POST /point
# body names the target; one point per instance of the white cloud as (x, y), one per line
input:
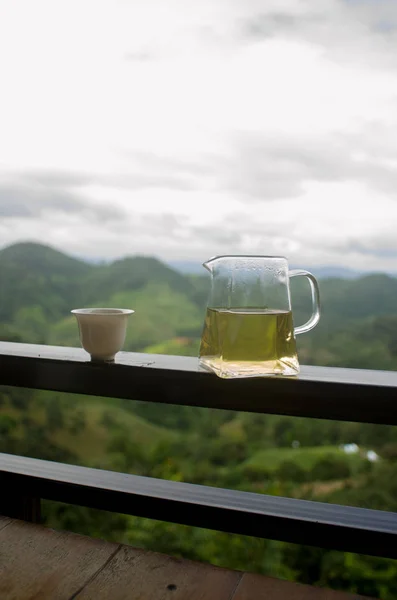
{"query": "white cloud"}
(206, 127)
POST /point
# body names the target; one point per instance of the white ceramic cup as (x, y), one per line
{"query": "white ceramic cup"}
(102, 331)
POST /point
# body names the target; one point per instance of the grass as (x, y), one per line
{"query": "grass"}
(271, 459)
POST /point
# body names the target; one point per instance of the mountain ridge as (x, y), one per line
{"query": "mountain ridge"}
(37, 275)
(184, 267)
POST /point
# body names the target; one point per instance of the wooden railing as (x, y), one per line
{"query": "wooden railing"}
(328, 393)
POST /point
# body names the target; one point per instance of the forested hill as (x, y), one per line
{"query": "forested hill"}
(33, 273)
(40, 285)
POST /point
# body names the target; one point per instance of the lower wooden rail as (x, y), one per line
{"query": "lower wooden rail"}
(343, 528)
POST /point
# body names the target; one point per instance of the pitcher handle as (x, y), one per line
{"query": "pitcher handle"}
(314, 319)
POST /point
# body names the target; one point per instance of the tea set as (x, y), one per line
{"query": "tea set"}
(248, 327)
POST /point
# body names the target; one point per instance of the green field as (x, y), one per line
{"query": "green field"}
(271, 459)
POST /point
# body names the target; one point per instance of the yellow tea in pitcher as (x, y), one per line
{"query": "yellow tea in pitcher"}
(248, 342)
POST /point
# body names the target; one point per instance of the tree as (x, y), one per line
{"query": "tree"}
(330, 467)
(290, 471)
(54, 416)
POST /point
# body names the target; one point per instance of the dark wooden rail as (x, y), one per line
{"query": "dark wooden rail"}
(287, 519)
(321, 392)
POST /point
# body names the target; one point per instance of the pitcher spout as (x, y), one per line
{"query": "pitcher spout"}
(209, 264)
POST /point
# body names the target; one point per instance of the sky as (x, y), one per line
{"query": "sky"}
(190, 128)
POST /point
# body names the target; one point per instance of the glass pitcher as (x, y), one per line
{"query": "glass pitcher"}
(248, 328)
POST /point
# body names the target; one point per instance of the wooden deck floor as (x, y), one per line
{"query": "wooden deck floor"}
(38, 563)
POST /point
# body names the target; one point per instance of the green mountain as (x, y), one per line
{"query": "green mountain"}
(36, 275)
(40, 285)
(41, 260)
(132, 273)
(357, 328)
